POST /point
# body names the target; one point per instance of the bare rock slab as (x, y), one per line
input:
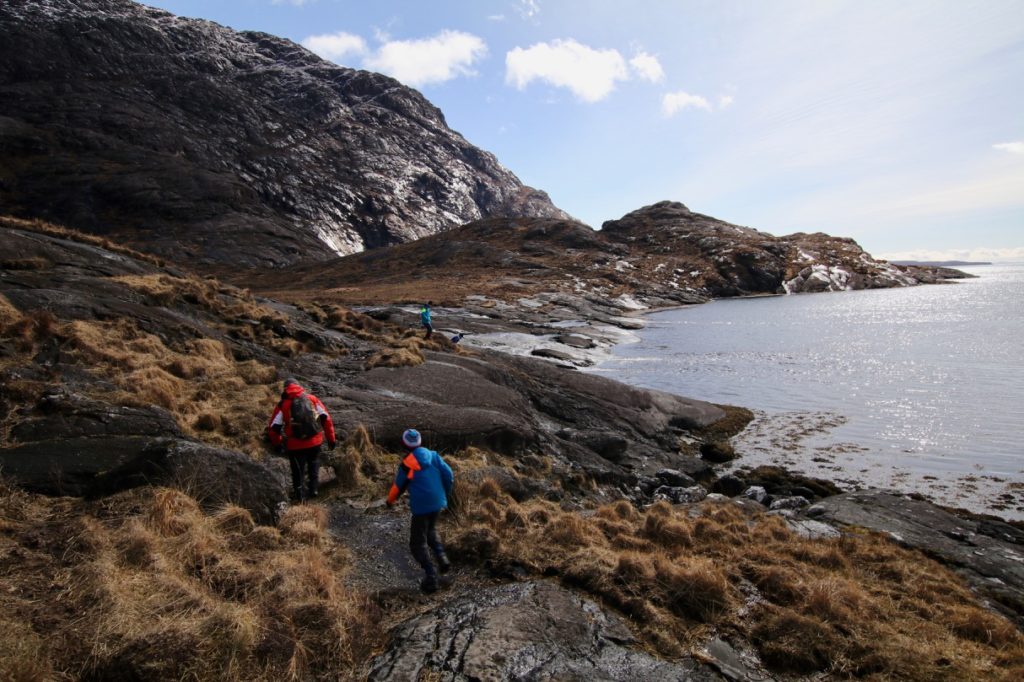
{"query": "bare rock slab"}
(524, 631)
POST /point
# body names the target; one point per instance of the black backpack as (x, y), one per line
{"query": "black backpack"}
(304, 419)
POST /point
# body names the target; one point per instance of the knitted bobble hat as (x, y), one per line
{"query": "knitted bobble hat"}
(411, 438)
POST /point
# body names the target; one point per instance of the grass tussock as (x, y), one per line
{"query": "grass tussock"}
(49, 229)
(237, 312)
(146, 586)
(396, 357)
(857, 606)
(211, 395)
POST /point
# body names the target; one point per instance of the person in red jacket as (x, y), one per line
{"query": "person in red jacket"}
(297, 428)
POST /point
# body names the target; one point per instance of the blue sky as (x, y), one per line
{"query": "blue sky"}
(900, 124)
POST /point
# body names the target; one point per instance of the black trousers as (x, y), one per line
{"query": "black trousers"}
(422, 533)
(429, 328)
(305, 461)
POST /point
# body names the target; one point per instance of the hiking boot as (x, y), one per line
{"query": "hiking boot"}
(443, 565)
(429, 585)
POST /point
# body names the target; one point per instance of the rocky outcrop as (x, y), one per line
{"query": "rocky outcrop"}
(74, 445)
(524, 631)
(203, 144)
(721, 259)
(516, 405)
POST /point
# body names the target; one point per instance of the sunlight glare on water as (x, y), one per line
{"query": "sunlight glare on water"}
(926, 382)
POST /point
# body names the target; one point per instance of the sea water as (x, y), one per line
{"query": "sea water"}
(918, 389)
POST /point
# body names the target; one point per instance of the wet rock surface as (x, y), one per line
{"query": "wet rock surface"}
(196, 141)
(989, 554)
(524, 631)
(514, 405)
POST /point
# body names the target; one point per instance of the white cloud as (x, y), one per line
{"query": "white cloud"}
(529, 8)
(674, 102)
(590, 74)
(1012, 147)
(431, 60)
(496, 17)
(335, 46)
(298, 3)
(725, 101)
(647, 67)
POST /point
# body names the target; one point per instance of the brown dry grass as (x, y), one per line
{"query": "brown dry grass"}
(43, 227)
(211, 395)
(234, 310)
(858, 606)
(145, 585)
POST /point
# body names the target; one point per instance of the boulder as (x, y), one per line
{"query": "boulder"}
(756, 493)
(576, 341)
(680, 495)
(729, 485)
(795, 502)
(524, 631)
(673, 477)
(98, 466)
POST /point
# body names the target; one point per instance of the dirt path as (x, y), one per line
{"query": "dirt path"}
(378, 538)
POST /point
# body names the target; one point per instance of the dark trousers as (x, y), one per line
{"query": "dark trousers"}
(422, 533)
(305, 461)
(429, 328)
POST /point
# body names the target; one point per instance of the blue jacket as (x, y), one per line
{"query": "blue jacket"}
(428, 479)
(425, 315)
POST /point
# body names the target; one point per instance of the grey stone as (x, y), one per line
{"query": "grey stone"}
(795, 502)
(680, 495)
(756, 493)
(814, 530)
(524, 631)
(673, 477)
(94, 467)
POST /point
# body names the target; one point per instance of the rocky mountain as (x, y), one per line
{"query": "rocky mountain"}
(200, 143)
(658, 255)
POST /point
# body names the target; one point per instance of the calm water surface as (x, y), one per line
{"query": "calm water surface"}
(917, 389)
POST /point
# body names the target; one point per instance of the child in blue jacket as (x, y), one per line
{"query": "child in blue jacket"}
(425, 319)
(428, 478)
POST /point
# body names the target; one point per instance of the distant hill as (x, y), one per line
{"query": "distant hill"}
(940, 263)
(659, 255)
(199, 143)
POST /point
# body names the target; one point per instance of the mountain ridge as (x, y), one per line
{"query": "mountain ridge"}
(194, 141)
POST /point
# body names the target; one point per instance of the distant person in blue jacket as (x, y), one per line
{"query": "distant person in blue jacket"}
(425, 319)
(428, 478)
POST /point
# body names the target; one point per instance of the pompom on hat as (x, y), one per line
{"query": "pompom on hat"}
(411, 438)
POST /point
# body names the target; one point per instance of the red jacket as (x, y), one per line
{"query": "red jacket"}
(280, 426)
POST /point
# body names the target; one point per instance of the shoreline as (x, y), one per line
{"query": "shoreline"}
(519, 332)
